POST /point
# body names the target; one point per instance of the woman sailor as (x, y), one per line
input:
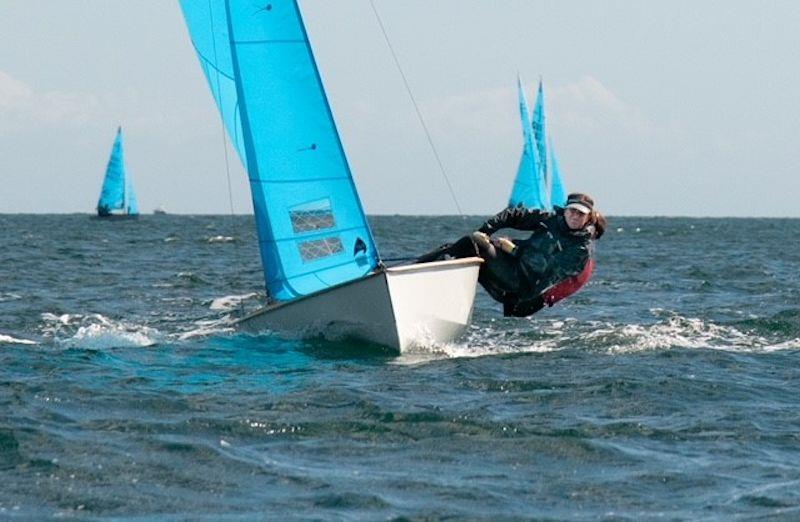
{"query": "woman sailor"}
(527, 274)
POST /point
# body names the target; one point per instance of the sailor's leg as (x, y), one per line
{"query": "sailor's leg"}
(523, 308)
(501, 271)
(437, 254)
(464, 247)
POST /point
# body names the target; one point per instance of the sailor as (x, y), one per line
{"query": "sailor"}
(528, 274)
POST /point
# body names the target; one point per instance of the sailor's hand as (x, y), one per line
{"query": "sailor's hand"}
(504, 244)
(481, 239)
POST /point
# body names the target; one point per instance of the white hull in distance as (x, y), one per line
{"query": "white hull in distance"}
(399, 307)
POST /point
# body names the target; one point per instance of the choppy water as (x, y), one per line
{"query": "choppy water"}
(668, 388)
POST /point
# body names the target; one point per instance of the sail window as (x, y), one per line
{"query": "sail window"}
(319, 248)
(312, 216)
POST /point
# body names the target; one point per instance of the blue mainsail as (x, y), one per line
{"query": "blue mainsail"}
(117, 193)
(539, 134)
(529, 190)
(256, 56)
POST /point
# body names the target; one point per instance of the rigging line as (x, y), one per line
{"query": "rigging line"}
(416, 108)
(222, 119)
(236, 247)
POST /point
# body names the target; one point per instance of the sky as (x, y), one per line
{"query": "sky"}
(683, 108)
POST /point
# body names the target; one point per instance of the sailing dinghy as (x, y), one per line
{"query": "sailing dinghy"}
(322, 270)
(117, 197)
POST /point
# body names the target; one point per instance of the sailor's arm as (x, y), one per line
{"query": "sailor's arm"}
(514, 217)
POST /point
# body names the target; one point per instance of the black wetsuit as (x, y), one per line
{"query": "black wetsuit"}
(552, 253)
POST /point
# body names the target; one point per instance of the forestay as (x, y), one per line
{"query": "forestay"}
(261, 70)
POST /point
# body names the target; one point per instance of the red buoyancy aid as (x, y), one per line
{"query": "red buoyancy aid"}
(568, 286)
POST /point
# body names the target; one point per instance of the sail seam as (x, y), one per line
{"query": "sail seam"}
(257, 42)
(314, 180)
(209, 62)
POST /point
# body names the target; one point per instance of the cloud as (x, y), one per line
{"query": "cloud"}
(583, 106)
(20, 103)
(13, 93)
(580, 108)
(587, 105)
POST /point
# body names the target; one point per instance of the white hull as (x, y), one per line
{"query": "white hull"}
(400, 307)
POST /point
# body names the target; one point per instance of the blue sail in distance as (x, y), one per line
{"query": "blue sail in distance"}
(529, 189)
(256, 56)
(544, 188)
(132, 204)
(558, 195)
(117, 195)
(539, 135)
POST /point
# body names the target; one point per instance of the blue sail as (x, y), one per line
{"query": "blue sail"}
(256, 56)
(208, 28)
(529, 188)
(540, 137)
(558, 195)
(132, 204)
(113, 192)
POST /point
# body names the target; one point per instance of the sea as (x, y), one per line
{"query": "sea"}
(668, 388)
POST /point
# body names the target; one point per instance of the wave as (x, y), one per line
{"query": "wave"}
(220, 239)
(231, 302)
(494, 339)
(207, 328)
(677, 331)
(7, 339)
(96, 332)
(670, 331)
(8, 296)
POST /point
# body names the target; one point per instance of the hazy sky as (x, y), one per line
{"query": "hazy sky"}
(656, 108)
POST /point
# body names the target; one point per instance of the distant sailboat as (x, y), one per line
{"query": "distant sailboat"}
(321, 267)
(117, 197)
(538, 183)
(529, 188)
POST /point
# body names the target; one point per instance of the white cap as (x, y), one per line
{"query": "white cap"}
(580, 207)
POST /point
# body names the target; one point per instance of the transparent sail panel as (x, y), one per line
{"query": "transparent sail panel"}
(256, 56)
